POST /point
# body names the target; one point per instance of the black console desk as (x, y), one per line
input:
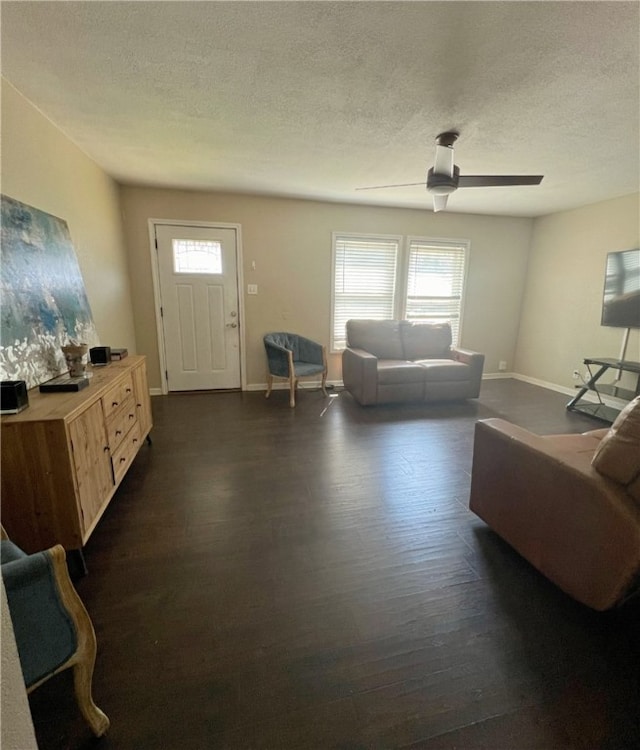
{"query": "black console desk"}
(600, 410)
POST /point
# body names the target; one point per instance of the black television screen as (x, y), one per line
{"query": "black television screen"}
(621, 299)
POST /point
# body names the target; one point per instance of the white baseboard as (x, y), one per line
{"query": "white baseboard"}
(545, 384)
(588, 396)
(314, 385)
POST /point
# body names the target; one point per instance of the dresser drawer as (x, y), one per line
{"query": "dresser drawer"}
(122, 457)
(120, 422)
(115, 397)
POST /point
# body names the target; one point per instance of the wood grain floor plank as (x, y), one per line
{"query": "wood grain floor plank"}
(312, 578)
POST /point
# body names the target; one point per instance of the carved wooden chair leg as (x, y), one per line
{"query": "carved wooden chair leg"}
(292, 380)
(82, 676)
(292, 390)
(324, 383)
(85, 656)
(324, 372)
(269, 386)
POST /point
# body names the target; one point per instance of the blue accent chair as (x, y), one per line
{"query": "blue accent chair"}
(52, 628)
(293, 357)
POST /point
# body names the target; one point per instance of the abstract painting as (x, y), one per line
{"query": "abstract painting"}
(44, 304)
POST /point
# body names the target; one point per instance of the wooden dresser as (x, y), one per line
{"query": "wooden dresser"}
(64, 457)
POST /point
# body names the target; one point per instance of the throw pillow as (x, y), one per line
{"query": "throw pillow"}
(618, 455)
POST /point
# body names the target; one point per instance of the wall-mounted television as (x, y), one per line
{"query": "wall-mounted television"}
(621, 298)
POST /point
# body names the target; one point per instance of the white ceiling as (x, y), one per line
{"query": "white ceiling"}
(313, 99)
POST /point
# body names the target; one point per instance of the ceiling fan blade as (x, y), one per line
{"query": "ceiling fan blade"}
(439, 202)
(495, 180)
(444, 161)
(380, 187)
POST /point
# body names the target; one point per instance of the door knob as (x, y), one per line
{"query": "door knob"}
(233, 313)
(232, 325)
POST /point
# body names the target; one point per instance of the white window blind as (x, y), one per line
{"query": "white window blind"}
(364, 281)
(435, 281)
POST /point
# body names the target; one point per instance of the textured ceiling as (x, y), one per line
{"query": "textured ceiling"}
(313, 99)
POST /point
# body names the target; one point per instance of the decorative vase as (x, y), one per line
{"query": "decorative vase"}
(74, 355)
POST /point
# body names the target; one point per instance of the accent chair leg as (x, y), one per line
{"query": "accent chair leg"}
(82, 676)
(85, 656)
(292, 390)
(269, 386)
(324, 383)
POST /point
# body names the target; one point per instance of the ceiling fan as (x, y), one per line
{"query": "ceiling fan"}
(444, 177)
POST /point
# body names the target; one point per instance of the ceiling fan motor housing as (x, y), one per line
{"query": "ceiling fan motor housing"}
(442, 184)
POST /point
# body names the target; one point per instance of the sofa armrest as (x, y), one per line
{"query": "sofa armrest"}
(474, 360)
(578, 528)
(360, 375)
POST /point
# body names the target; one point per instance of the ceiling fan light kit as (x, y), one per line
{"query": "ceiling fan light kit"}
(442, 184)
(444, 177)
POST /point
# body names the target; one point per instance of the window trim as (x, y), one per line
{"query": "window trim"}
(442, 241)
(402, 272)
(366, 237)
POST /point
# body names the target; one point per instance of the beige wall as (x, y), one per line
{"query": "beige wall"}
(290, 242)
(43, 168)
(563, 296)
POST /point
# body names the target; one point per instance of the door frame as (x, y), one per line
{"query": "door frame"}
(155, 274)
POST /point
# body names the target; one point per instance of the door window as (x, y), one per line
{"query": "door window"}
(197, 256)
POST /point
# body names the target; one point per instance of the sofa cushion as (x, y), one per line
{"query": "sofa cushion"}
(379, 337)
(444, 370)
(425, 340)
(618, 455)
(393, 371)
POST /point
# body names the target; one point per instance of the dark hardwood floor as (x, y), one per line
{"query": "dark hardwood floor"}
(312, 578)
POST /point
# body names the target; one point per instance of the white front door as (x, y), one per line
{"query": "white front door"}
(198, 273)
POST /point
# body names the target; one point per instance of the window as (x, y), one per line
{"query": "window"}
(375, 277)
(364, 282)
(434, 283)
(197, 256)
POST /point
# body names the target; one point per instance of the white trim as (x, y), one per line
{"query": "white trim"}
(545, 384)
(155, 392)
(402, 272)
(443, 241)
(588, 396)
(497, 375)
(367, 236)
(155, 275)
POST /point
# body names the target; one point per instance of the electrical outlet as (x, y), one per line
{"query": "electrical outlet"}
(252, 288)
(502, 365)
(576, 375)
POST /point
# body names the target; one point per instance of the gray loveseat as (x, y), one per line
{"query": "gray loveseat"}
(390, 361)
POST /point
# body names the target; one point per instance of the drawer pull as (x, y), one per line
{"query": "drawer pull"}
(114, 403)
(135, 440)
(118, 432)
(132, 416)
(122, 460)
(128, 390)
(106, 448)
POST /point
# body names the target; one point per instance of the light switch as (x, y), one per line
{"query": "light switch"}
(252, 288)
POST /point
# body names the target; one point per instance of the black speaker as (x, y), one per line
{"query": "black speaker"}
(100, 355)
(13, 396)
